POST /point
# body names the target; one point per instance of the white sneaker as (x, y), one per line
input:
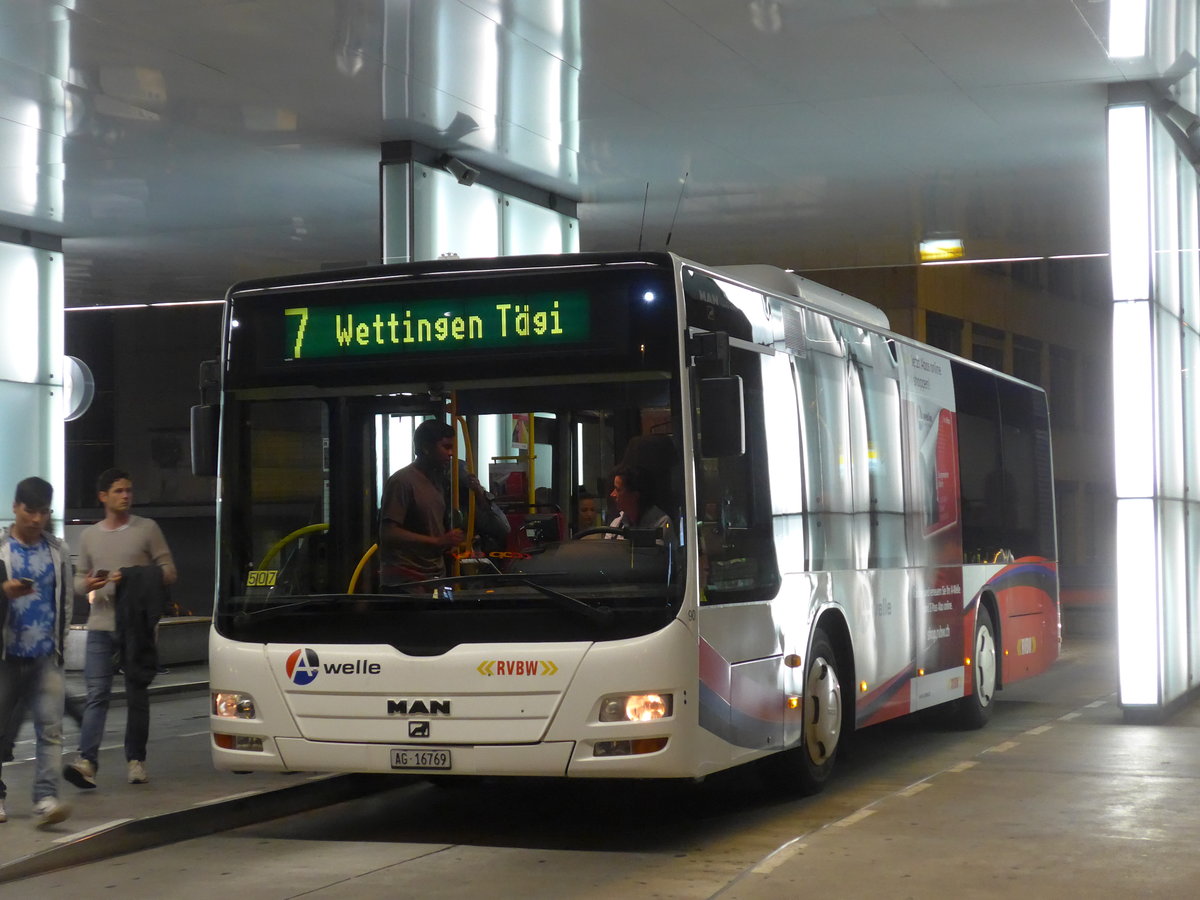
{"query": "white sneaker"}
(50, 811)
(137, 772)
(3, 814)
(80, 773)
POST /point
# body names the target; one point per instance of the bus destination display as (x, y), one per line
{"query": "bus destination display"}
(519, 321)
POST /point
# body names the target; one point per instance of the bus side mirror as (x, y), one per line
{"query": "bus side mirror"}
(205, 419)
(722, 417)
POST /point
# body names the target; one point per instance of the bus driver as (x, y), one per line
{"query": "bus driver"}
(634, 495)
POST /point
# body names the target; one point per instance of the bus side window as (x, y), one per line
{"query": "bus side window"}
(877, 451)
(825, 414)
(1004, 452)
(740, 561)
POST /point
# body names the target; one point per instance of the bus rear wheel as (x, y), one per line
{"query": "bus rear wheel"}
(809, 766)
(975, 710)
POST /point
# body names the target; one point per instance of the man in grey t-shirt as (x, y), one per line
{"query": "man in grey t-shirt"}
(415, 531)
(416, 528)
(118, 541)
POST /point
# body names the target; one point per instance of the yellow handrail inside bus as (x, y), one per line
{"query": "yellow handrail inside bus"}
(530, 490)
(469, 535)
(283, 542)
(362, 563)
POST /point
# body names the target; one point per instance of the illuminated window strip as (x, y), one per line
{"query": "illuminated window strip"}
(1129, 201)
(1139, 653)
(1133, 405)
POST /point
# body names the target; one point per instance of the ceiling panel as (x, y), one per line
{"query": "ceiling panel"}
(177, 147)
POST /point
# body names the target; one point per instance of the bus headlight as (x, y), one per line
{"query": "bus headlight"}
(232, 705)
(635, 707)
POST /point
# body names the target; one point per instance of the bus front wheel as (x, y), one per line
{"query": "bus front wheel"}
(975, 710)
(809, 765)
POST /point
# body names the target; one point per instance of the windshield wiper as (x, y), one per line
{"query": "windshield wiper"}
(243, 614)
(600, 614)
(432, 589)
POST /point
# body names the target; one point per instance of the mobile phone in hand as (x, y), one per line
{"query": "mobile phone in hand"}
(26, 582)
(101, 573)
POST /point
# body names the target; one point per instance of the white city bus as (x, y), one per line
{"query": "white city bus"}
(861, 527)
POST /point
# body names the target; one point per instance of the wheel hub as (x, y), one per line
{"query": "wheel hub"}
(823, 716)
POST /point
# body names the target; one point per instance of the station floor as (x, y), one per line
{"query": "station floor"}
(1069, 796)
(185, 798)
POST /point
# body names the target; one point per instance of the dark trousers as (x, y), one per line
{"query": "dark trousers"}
(98, 670)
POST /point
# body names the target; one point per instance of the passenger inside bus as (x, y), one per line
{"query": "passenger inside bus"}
(417, 528)
(587, 512)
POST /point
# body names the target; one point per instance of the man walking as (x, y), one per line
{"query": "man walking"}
(121, 558)
(37, 592)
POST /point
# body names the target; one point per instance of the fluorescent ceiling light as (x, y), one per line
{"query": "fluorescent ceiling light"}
(940, 249)
(982, 262)
(165, 303)
(1127, 20)
(72, 309)
(188, 303)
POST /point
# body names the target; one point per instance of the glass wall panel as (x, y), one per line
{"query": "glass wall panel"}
(453, 219)
(397, 203)
(24, 454)
(31, 370)
(1165, 258)
(1189, 245)
(1191, 410)
(20, 314)
(1158, 541)
(1193, 586)
(1170, 405)
(1173, 564)
(529, 228)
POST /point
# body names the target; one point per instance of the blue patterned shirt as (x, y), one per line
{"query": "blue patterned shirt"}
(31, 617)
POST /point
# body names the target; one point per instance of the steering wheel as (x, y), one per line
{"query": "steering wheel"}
(602, 529)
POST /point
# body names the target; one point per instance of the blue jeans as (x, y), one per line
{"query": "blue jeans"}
(38, 682)
(98, 669)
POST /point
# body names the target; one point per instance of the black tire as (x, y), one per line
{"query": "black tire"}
(807, 768)
(975, 709)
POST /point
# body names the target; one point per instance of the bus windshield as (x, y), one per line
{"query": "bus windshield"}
(538, 566)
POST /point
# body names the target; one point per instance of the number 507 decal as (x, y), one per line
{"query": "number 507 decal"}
(261, 578)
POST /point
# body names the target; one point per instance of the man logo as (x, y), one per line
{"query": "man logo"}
(418, 729)
(302, 666)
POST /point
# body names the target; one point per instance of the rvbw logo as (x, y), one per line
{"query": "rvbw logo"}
(303, 666)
